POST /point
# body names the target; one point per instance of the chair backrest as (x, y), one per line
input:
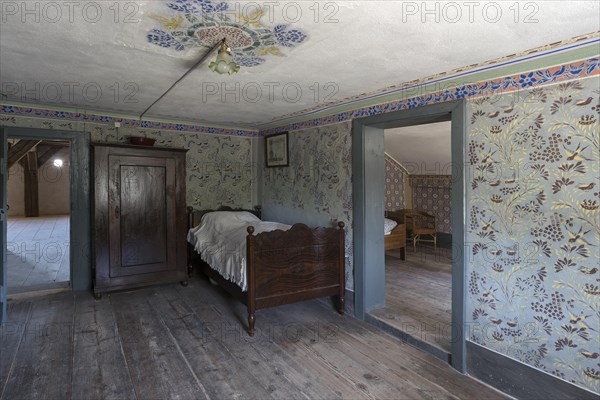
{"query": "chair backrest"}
(412, 217)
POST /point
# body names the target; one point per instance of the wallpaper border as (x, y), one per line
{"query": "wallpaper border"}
(512, 83)
(17, 109)
(534, 77)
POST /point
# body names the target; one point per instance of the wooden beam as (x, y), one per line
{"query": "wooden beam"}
(19, 150)
(30, 164)
(46, 153)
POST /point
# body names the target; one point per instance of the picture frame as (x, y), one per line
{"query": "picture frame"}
(277, 150)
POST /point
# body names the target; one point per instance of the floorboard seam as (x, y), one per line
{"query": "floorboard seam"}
(12, 364)
(187, 363)
(118, 335)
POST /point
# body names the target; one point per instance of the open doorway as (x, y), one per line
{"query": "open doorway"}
(368, 166)
(418, 241)
(38, 202)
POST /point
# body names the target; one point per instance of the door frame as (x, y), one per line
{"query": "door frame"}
(3, 223)
(368, 210)
(80, 207)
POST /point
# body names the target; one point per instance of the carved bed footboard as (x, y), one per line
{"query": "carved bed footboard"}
(284, 267)
(298, 264)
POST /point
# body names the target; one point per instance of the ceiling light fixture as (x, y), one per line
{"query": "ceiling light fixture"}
(223, 64)
(58, 163)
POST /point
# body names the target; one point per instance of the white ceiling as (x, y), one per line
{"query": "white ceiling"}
(365, 45)
(421, 149)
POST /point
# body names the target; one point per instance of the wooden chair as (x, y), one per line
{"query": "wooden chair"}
(419, 224)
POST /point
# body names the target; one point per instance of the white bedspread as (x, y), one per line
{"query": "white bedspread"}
(221, 240)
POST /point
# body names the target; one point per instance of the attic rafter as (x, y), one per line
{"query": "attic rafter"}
(19, 150)
(31, 194)
(45, 153)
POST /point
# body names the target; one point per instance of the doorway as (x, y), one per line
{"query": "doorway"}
(38, 209)
(368, 188)
(77, 225)
(417, 208)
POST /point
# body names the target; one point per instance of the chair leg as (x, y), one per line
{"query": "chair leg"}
(415, 238)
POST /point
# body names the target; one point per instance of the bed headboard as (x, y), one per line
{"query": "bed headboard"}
(195, 216)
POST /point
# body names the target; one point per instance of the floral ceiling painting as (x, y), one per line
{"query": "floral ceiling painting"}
(533, 231)
(201, 24)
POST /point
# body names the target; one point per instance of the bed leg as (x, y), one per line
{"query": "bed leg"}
(251, 321)
(341, 304)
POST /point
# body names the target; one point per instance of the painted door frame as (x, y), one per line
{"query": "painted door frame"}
(80, 209)
(368, 210)
(3, 223)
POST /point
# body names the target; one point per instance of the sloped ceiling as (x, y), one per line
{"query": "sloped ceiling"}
(421, 149)
(121, 56)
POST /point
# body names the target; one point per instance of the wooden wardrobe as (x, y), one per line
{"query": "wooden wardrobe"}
(139, 230)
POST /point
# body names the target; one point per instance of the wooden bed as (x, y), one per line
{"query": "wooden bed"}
(283, 267)
(397, 238)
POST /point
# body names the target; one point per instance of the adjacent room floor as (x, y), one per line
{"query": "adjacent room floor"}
(190, 342)
(37, 252)
(418, 295)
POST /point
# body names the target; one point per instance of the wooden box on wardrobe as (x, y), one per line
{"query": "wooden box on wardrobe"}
(139, 218)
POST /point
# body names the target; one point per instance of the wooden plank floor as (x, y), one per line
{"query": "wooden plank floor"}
(38, 251)
(189, 343)
(418, 295)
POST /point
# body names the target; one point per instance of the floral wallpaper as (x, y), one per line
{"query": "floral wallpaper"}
(433, 194)
(318, 180)
(395, 177)
(533, 228)
(219, 168)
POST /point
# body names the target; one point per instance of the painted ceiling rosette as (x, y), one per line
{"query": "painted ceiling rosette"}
(203, 23)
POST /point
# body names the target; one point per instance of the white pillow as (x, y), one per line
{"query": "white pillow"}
(388, 225)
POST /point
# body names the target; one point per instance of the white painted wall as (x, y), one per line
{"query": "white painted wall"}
(53, 186)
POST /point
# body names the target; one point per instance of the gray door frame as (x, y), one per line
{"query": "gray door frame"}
(368, 211)
(80, 237)
(3, 223)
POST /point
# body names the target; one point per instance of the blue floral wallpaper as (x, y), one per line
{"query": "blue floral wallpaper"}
(433, 194)
(219, 168)
(394, 186)
(318, 180)
(533, 228)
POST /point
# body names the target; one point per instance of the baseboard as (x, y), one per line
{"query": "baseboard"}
(517, 379)
(410, 339)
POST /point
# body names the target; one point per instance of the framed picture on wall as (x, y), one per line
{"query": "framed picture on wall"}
(276, 150)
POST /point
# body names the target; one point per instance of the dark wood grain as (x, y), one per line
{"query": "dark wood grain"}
(284, 267)
(140, 218)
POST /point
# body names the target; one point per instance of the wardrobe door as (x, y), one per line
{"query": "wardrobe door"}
(141, 220)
